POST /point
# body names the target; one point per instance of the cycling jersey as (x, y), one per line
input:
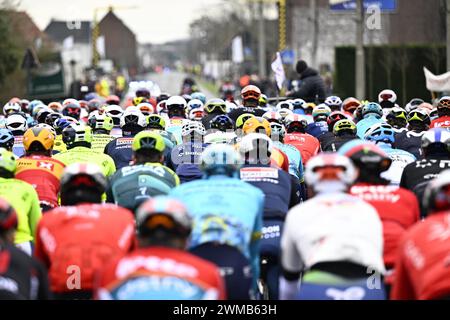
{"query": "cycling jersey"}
(422, 270)
(332, 227)
(99, 142)
(442, 122)
(398, 210)
(18, 148)
(59, 145)
(86, 155)
(400, 159)
(132, 185)
(43, 173)
(316, 129)
(24, 199)
(221, 137)
(409, 141)
(120, 151)
(21, 277)
(295, 159)
(364, 125)
(308, 145)
(225, 210)
(158, 273)
(279, 159)
(236, 113)
(333, 145)
(186, 160)
(174, 126)
(116, 132)
(97, 235)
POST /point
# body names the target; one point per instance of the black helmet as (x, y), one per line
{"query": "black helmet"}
(222, 122)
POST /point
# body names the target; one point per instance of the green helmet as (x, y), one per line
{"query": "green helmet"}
(7, 160)
(77, 133)
(148, 140)
(242, 118)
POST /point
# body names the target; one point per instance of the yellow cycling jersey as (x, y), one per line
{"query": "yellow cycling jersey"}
(59, 145)
(99, 142)
(24, 199)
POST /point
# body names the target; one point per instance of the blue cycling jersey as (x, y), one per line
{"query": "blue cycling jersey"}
(295, 159)
(225, 210)
(364, 125)
(186, 160)
(316, 129)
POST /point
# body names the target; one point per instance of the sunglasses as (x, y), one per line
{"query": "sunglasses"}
(212, 108)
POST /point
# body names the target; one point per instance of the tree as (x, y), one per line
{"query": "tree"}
(9, 52)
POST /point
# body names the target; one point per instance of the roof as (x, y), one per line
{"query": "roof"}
(59, 30)
(112, 17)
(22, 24)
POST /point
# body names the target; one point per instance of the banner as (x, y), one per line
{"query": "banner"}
(278, 69)
(436, 83)
(344, 5)
(237, 50)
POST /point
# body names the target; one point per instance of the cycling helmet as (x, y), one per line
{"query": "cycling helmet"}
(278, 130)
(115, 112)
(397, 113)
(263, 101)
(24, 104)
(196, 114)
(251, 92)
(93, 105)
(194, 104)
(38, 139)
(437, 193)
(222, 122)
(257, 125)
(366, 156)
(33, 104)
(345, 125)
(309, 107)
(42, 114)
(333, 118)
(334, 103)
(199, 96)
(436, 140)
(143, 92)
(296, 123)
(443, 107)
(16, 123)
(372, 109)
(146, 108)
(8, 217)
(55, 106)
(413, 104)
(285, 113)
(76, 134)
(176, 105)
(100, 122)
(7, 161)
(155, 121)
(72, 110)
(192, 128)
(70, 101)
(162, 97)
(285, 105)
(46, 126)
(242, 118)
(380, 132)
(298, 104)
(64, 122)
(133, 116)
(6, 139)
(113, 99)
(330, 172)
(387, 95)
(273, 116)
(434, 114)
(321, 113)
(138, 100)
(165, 213)
(350, 105)
(82, 177)
(187, 97)
(51, 119)
(148, 140)
(219, 159)
(419, 115)
(216, 106)
(11, 107)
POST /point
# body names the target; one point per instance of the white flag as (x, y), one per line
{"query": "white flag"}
(436, 83)
(101, 46)
(237, 50)
(68, 43)
(277, 67)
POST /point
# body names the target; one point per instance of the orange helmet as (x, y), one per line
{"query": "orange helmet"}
(256, 125)
(55, 106)
(38, 136)
(251, 92)
(350, 104)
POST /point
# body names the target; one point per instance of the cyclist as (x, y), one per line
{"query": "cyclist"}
(319, 126)
(436, 155)
(38, 168)
(344, 131)
(176, 111)
(83, 233)
(17, 124)
(26, 277)
(227, 214)
(281, 192)
(371, 114)
(384, 136)
(398, 208)
(387, 99)
(72, 109)
(199, 96)
(397, 118)
(213, 108)
(443, 111)
(132, 122)
(221, 130)
(422, 263)
(296, 136)
(333, 238)
(101, 126)
(163, 227)
(250, 99)
(410, 140)
(350, 105)
(115, 112)
(186, 156)
(78, 139)
(23, 198)
(146, 178)
(6, 139)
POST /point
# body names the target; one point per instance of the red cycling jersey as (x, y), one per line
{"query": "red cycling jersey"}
(398, 210)
(306, 144)
(423, 261)
(160, 273)
(442, 122)
(43, 173)
(279, 160)
(81, 239)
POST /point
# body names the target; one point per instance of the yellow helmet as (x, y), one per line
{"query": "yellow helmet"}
(257, 125)
(38, 135)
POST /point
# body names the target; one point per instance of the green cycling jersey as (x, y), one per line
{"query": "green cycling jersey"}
(99, 141)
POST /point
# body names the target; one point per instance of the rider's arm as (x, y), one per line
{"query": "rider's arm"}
(256, 241)
(295, 194)
(35, 214)
(111, 167)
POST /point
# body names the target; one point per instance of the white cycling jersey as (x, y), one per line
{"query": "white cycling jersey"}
(220, 137)
(332, 227)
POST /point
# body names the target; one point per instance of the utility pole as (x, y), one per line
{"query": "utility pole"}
(261, 41)
(360, 59)
(448, 35)
(315, 31)
(282, 25)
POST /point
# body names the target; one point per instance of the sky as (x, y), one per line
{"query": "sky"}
(153, 21)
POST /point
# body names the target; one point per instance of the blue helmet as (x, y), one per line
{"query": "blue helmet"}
(380, 132)
(372, 108)
(222, 122)
(6, 139)
(200, 96)
(219, 159)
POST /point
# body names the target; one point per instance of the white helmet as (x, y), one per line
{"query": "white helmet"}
(194, 104)
(16, 122)
(196, 114)
(133, 116)
(285, 105)
(70, 101)
(273, 116)
(11, 107)
(190, 127)
(115, 112)
(330, 172)
(387, 95)
(285, 113)
(176, 101)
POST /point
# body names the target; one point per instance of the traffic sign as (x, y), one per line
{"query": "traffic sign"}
(288, 56)
(344, 5)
